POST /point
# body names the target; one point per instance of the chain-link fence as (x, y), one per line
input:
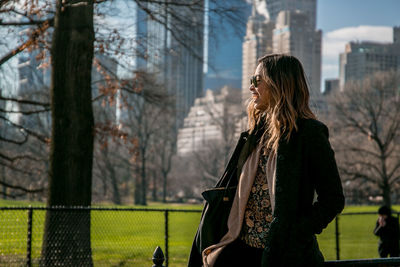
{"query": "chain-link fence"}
(117, 237)
(128, 237)
(350, 236)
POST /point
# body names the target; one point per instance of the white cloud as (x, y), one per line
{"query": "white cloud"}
(261, 7)
(223, 74)
(334, 43)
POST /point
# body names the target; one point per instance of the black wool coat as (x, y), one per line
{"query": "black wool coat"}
(389, 234)
(305, 165)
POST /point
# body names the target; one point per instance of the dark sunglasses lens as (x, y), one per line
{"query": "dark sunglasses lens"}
(253, 81)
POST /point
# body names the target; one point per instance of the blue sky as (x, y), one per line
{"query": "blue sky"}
(334, 14)
(340, 20)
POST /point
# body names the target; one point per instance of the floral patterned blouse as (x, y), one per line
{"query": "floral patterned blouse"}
(258, 213)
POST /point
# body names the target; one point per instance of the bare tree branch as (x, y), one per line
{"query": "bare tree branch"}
(352, 176)
(25, 23)
(25, 112)
(38, 136)
(12, 159)
(367, 114)
(358, 150)
(365, 164)
(17, 187)
(36, 33)
(25, 101)
(15, 141)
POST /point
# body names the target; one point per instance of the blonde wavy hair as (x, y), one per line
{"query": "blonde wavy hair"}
(288, 99)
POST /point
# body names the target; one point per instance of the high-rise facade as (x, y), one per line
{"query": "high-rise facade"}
(308, 7)
(177, 60)
(257, 42)
(362, 59)
(208, 117)
(331, 86)
(294, 35)
(396, 35)
(290, 29)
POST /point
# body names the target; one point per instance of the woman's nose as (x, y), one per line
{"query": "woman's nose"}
(252, 88)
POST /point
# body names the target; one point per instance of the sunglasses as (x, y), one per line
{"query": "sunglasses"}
(253, 80)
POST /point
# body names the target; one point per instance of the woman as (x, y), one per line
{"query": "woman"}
(289, 187)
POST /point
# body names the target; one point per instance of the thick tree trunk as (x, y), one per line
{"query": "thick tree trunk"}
(386, 195)
(66, 240)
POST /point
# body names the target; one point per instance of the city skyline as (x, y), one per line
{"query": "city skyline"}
(283, 26)
(374, 22)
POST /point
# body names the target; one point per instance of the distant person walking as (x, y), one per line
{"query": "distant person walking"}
(387, 228)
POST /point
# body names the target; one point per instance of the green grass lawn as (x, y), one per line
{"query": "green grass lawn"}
(126, 238)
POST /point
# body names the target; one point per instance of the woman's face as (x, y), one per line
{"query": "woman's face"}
(260, 93)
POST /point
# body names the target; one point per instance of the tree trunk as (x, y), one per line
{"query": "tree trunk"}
(137, 190)
(66, 240)
(3, 178)
(116, 198)
(386, 195)
(154, 191)
(3, 172)
(114, 183)
(165, 175)
(143, 182)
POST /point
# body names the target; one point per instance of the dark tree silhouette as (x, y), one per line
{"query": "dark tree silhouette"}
(67, 235)
(367, 125)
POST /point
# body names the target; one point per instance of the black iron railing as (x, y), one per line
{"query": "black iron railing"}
(158, 260)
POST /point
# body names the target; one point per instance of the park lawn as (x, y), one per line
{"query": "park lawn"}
(125, 238)
(357, 240)
(119, 238)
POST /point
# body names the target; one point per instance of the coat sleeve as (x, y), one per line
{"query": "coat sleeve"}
(195, 256)
(389, 231)
(378, 229)
(325, 175)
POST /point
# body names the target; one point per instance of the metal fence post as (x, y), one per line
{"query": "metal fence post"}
(337, 238)
(29, 239)
(158, 257)
(166, 237)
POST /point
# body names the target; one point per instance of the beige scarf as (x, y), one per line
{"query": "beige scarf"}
(239, 204)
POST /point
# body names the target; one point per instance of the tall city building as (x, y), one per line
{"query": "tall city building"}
(362, 59)
(291, 29)
(309, 7)
(177, 60)
(207, 121)
(257, 42)
(331, 86)
(294, 35)
(396, 35)
(342, 74)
